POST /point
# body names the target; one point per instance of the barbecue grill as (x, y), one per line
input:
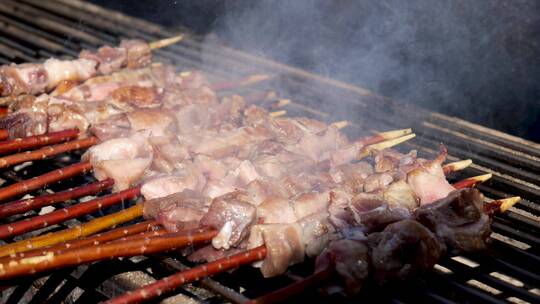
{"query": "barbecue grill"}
(33, 30)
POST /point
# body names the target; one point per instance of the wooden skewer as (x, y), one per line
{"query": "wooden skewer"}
(93, 240)
(456, 166)
(368, 150)
(165, 42)
(25, 143)
(472, 181)
(37, 182)
(87, 254)
(3, 134)
(384, 136)
(247, 81)
(277, 113)
(73, 233)
(196, 273)
(295, 288)
(283, 102)
(62, 215)
(45, 152)
(340, 124)
(501, 206)
(24, 205)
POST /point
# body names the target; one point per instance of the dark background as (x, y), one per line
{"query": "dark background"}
(475, 59)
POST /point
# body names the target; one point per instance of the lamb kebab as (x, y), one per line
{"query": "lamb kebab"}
(36, 78)
(148, 247)
(264, 150)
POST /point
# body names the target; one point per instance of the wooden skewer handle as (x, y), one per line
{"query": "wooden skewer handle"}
(42, 153)
(61, 215)
(19, 144)
(43, 180)
(24, 205)
(176, 280)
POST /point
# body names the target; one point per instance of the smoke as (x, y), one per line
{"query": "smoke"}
(474, 59)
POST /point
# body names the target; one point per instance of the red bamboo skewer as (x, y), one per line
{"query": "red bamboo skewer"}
(3, 134)
(472, 181)
(37, 182)
(295, 288)
(196, 273)
(24, 143)
(79, 231)
(21, 206)
(42, 153)
(77, 256)
(94, 240)
(61, 215)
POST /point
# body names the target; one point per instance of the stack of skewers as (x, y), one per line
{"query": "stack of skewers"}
(235, 183)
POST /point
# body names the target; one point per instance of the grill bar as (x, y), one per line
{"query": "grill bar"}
(63, 28)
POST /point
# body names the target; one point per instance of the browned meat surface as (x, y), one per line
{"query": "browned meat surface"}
(458, 219)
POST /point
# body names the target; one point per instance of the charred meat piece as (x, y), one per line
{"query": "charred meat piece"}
(403, 249)
(458, 220)
(350, 259)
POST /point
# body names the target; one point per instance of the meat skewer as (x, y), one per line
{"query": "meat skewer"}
(25, 143)
(167, 284)
(37, 182)
(3, 134)
(137, 246)
(472, 181)
(45, 152)
(196, 273)
(24, 205)
(456, 166)
(61, 215)
(35, 78)
(97, 255)
(75, 232)
(93, 240)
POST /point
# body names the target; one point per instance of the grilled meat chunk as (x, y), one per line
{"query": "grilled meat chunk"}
(181, 210)
(284, 245)
(458, 220)
(233, 216)
(351, 261)
(402, 249)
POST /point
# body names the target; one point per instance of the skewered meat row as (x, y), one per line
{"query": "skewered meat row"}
(101, 100)
(36, 78)
(339, 206)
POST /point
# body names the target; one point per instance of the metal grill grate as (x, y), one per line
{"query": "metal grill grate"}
(32, 30)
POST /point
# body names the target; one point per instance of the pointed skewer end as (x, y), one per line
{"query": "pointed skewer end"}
(457, 166)
(165, 42)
